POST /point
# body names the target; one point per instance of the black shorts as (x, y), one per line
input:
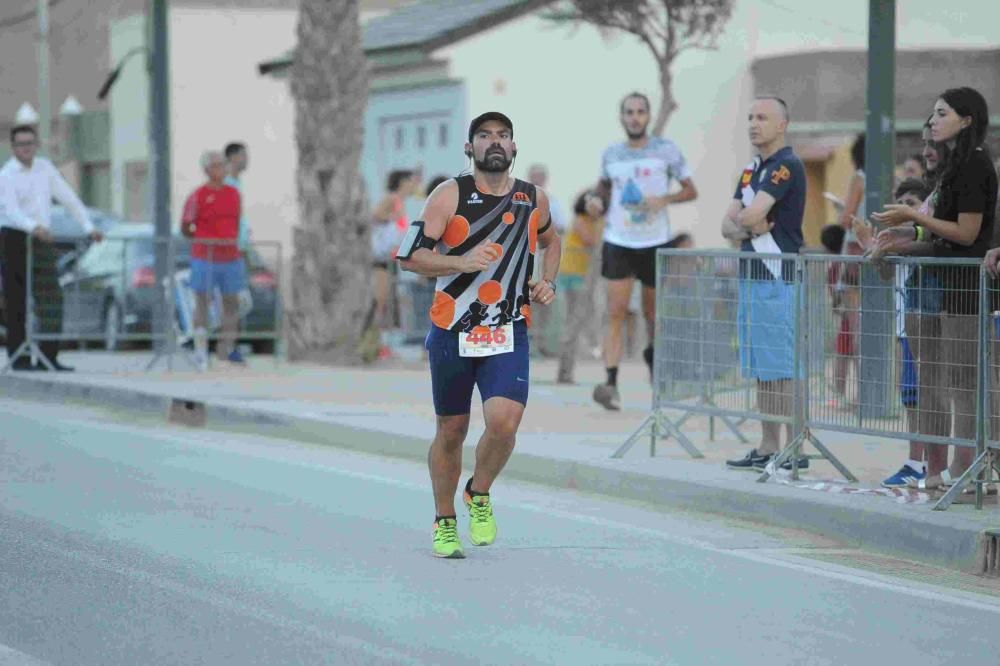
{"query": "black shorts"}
(620, 263)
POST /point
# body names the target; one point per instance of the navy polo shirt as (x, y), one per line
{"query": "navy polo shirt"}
(783, 177)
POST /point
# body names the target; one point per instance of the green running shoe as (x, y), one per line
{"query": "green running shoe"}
(446, 541)
(482, 524)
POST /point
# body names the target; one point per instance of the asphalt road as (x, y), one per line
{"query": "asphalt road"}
(129, 542)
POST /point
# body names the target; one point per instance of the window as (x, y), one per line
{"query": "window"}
(400, 137)
(443, 135)
(421, 137)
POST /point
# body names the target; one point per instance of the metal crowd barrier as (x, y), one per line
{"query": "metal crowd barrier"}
(105, 294)
(841, 344)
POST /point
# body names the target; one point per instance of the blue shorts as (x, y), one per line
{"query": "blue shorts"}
(228, 277)
(453, 376)
(766, 321)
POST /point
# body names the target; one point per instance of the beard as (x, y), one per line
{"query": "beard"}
(635, 135)
(494, 162)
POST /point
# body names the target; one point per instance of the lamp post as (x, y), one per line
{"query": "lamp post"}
(159, 147)
(44, 112)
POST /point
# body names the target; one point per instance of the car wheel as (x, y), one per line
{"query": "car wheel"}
(112, 326)
(262, 346)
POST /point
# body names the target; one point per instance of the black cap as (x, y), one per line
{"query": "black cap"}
(489, 115)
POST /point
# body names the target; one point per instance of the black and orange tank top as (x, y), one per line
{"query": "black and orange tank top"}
(498, 295)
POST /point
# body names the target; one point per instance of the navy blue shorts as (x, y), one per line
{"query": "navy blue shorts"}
(454, 376)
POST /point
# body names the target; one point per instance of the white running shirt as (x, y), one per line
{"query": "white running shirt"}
(637, 173)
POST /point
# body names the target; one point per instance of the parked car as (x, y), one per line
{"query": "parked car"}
(64, 226)
(110, 289)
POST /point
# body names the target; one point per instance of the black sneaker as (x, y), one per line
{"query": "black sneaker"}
(787, 465)
(752, 462)
(803, 464)
(23, 365)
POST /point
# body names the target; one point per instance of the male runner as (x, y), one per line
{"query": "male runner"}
(478, 235)
(637, 174)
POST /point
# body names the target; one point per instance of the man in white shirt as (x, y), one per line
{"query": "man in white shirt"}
(28, 184)
(636, 178)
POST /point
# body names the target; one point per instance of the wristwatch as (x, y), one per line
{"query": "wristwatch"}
(552, 285)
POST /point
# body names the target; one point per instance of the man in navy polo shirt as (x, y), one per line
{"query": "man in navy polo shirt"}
(765, 215)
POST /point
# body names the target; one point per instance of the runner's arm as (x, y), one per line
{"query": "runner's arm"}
(439, 208)
(549, 240)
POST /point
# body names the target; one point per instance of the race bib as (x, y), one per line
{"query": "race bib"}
(485, 341)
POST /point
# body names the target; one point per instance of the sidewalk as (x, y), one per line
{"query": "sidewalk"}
(565, 440)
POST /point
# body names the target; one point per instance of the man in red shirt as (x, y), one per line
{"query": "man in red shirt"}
(212, 216)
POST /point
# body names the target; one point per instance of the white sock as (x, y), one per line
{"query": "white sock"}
(917, 465)
(201, 341)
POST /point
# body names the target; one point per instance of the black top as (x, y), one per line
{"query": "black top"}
(973, 190)
(500, 294)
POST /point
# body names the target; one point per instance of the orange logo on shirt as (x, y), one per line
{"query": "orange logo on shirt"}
(781, 174)
(745, 180)
(521, 198)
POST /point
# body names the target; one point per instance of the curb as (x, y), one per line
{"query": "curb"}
(952, 540)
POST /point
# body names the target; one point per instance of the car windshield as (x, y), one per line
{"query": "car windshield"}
(141, 250)
(65, 225)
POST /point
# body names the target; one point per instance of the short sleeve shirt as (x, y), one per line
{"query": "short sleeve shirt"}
(635, 174)
(215, 212)
(783, 176)
(973, 190)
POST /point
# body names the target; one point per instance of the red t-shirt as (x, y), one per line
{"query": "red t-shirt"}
(215, 212)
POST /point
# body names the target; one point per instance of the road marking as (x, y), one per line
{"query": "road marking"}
(772, 558)
(829, 570)
(11, 657)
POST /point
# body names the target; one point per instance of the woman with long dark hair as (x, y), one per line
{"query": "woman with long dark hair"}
(961, 224)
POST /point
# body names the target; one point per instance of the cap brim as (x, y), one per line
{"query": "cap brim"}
(478, 121)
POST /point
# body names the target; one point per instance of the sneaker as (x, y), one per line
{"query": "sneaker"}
(906, 476)
(446, 541)
(751, 462)
(607, 396)
(236, 357)
(803, 464)
(482, 524)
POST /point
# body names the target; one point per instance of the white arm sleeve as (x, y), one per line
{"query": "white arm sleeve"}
(64, 194)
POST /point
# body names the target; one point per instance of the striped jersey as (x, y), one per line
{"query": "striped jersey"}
(498, 295)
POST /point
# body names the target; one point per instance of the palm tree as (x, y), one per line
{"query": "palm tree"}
(330, 292)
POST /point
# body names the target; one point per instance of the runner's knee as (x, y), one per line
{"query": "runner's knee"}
(503, 427)
(452, 430)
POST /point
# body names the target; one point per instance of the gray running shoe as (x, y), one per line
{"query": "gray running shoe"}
(607, 396)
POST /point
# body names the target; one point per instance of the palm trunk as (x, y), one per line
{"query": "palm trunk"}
(330, 291)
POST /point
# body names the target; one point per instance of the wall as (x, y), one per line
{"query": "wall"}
(414, 113)
(825, 86)
(129, 112)
(217, 97)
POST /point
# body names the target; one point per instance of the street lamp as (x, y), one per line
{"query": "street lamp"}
(159, 149)
(116, 72)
